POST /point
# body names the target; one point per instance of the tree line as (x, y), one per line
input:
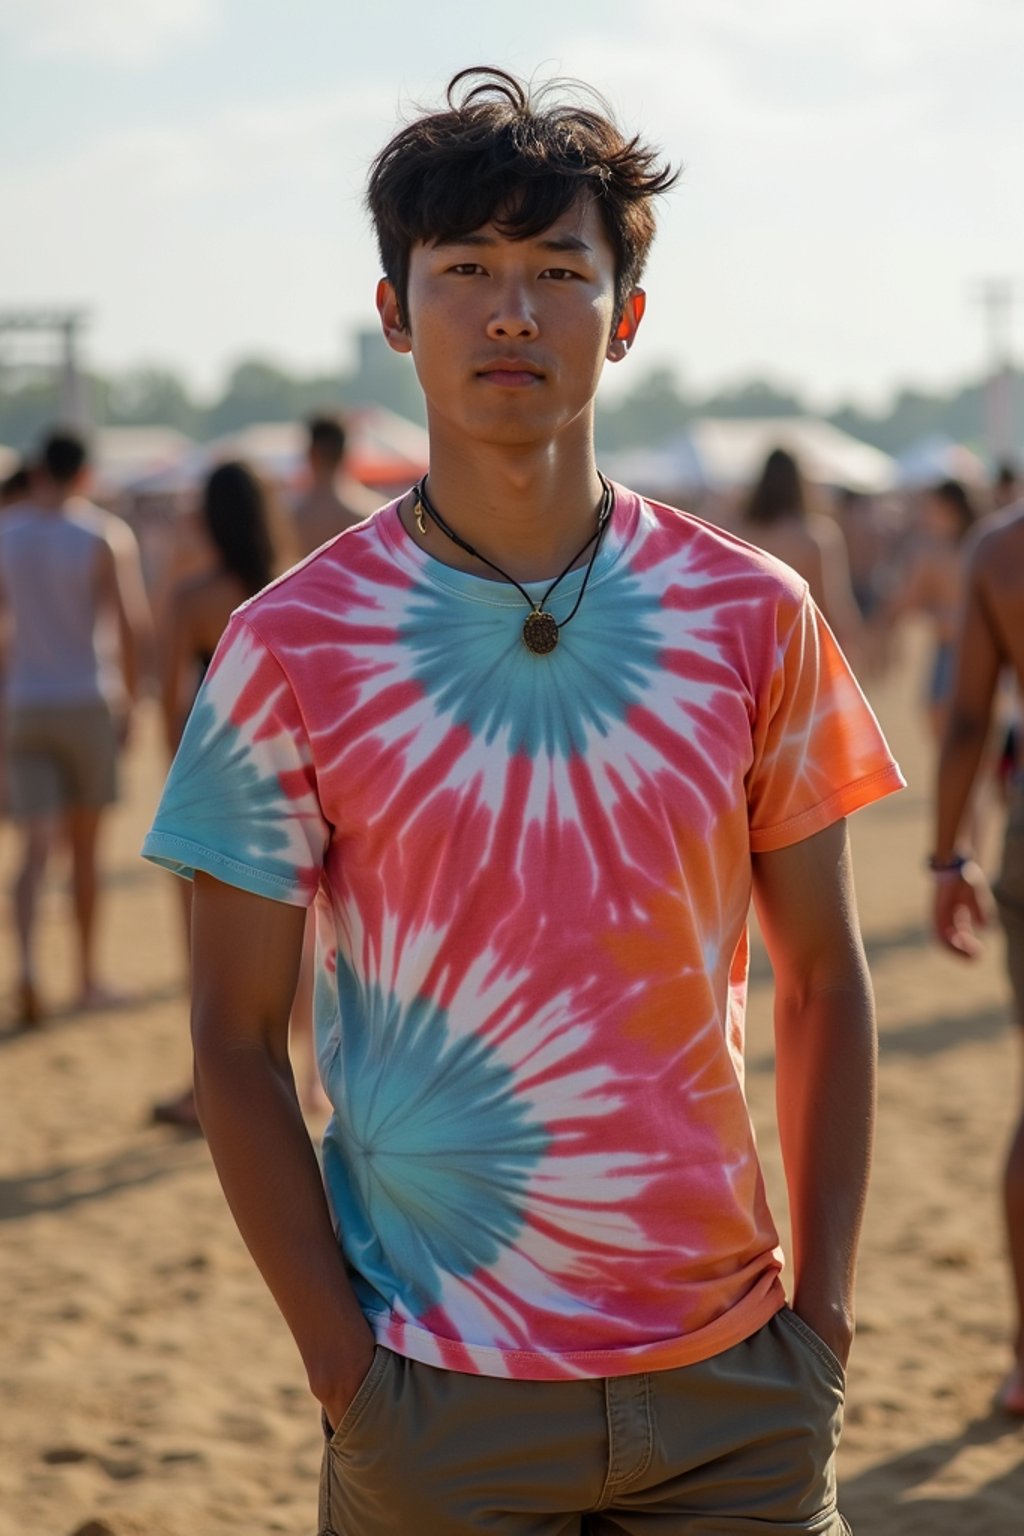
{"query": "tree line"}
(657, 407)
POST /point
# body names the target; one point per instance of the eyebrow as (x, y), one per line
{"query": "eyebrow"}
(549, 243)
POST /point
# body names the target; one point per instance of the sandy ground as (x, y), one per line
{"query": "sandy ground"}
(147, 1385)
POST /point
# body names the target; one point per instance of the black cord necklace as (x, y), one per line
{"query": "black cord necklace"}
(540, 628)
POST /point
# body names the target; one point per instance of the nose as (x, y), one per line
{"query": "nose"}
(512, 317)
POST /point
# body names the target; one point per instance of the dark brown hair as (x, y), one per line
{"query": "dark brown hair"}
(62, 456)
(517, 157)
(954, 495)
(237, 518)
(780, 491)
(327, 436)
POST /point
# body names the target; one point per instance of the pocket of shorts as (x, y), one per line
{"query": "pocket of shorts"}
(364, 1396)
(828, 1358)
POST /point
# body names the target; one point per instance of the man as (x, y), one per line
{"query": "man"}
(526, 741)
(69, 576)
(991, 640)
(335, 499)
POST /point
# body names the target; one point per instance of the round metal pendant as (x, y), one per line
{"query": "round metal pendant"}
(540, 632)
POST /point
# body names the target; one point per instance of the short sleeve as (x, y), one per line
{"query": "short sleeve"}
(240, 802)
(819, 750)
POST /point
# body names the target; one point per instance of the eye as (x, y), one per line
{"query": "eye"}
(465, 268)
(561, 274)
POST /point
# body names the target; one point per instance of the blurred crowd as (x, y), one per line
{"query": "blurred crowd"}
(99, 610)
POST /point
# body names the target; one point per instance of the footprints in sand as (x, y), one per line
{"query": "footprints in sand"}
(64, 1456)
(120, 1459)
(123, 1458)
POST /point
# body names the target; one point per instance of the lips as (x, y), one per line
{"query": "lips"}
(510, 371)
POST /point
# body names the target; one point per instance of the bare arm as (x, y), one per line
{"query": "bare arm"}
(960, 899)
(122, 588)
(245, 961)
(825, 1068)
(176, 647)
(840, 605)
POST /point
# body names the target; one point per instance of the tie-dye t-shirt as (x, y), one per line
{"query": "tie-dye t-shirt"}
(531, 878)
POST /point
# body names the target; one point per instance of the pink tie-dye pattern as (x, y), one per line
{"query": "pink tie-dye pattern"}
(583, 915)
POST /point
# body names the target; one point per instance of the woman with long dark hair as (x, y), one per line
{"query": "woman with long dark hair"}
(235, 522)
(234, 517)
(781, 518)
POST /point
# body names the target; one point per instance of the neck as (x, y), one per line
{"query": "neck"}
(528, 512)
(51, 498)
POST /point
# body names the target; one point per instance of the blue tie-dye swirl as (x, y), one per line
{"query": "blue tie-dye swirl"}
(471, 660)
(218, 792)
(430, 1149)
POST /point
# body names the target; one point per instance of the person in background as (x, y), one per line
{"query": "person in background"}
(335, 499)
(990, 641)
(932, 586)
(14, 489)
(780, 517)
(235, 519)
(868, 547)
(69, 575)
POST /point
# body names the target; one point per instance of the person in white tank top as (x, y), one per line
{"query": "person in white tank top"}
(73, 611)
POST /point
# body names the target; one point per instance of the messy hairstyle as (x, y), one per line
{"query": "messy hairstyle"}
(517, 157)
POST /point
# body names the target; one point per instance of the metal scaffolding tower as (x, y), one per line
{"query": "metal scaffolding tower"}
(66, 325)
(997, 296)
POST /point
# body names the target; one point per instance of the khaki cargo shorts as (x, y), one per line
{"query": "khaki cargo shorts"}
(59, 758)
(742, 1443)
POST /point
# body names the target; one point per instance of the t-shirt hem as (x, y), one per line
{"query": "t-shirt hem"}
(756, 1309)
(183, 857)
(852, 797)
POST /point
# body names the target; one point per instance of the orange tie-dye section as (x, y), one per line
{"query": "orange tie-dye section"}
(811, 738)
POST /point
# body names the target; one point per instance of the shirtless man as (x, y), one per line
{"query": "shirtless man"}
(991, 638)
(335, 500)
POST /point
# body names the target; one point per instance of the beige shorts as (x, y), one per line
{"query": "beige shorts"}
(740, 1443)
(60, 758)
(1009, 893)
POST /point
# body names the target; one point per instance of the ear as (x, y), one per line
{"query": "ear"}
(624, 333)
(391, 319)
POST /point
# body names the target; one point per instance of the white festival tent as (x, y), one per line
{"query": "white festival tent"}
(123, 456)
(937, 457)
(718, 453)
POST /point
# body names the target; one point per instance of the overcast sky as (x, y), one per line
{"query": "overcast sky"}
(191, 172)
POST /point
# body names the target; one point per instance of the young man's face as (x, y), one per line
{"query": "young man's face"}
(509, 336)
